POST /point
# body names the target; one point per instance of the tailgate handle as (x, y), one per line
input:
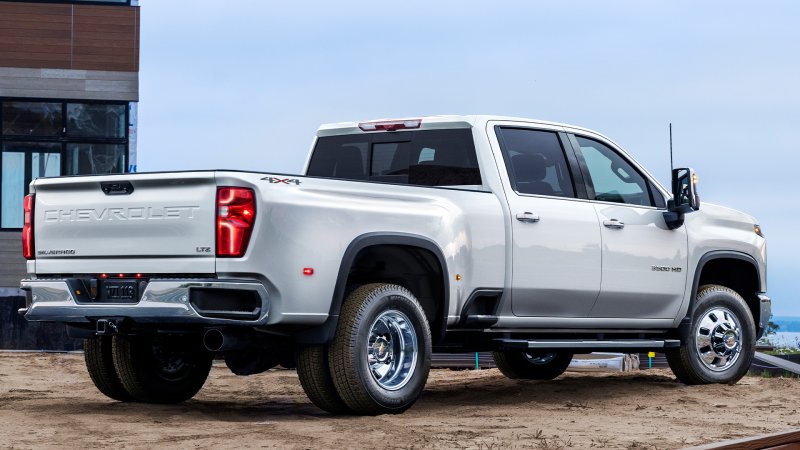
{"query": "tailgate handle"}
(117, 188)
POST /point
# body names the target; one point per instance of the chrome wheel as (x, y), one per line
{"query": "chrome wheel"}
(392, 350)
(539, 358)
(719, 339)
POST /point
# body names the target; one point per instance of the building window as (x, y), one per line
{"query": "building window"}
(94, 159)
(96, 120)
(32, 119)
(51, 138)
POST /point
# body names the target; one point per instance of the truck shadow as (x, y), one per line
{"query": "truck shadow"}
(443, 393)
(570, 391)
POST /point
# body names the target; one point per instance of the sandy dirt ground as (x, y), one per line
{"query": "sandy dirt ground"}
(47, 400)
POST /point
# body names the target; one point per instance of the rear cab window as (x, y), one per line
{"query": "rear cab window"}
(419, 158)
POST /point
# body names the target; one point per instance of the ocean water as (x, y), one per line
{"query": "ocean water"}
(785, 339)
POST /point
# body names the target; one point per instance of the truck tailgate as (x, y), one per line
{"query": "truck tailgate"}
(93, 224)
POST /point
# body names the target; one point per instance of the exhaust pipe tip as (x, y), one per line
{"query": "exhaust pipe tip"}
(214, 340)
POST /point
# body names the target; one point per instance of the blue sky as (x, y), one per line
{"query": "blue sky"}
(244, 84)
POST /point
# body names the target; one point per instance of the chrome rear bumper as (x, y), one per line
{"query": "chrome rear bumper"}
(165, 301)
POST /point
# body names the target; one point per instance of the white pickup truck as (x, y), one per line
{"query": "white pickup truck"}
(531, 239)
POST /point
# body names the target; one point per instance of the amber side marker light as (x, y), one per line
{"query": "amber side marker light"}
(757, 229)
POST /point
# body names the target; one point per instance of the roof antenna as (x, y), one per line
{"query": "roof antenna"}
(671, 165)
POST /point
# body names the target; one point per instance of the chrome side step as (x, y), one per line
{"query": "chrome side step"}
(589, 344)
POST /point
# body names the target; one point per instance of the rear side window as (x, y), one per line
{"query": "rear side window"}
(422, 158)
(536, 162)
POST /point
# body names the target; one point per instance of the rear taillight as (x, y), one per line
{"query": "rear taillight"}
(27, 228)
(236, 213)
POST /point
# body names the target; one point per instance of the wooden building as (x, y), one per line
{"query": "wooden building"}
(69, 87)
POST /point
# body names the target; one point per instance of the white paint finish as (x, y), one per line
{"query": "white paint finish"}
(166, 216)
(630, 287)
(715, 228)
(556, 261)
(311, 225)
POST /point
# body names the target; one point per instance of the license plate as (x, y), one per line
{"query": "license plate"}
(121, 291)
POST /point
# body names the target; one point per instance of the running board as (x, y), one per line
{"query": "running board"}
(588, 344)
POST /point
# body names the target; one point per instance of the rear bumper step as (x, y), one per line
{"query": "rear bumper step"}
(587, 344)
(196, 301)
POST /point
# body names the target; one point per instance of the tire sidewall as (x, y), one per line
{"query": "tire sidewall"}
(517, 365)
(150, 383)
(378, 302)
(722, 298)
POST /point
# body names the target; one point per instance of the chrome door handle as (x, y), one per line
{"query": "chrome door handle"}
(614, 223)
(528, 217)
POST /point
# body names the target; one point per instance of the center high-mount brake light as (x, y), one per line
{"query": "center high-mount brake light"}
(236, 214)
(27, 227)
(390, 125)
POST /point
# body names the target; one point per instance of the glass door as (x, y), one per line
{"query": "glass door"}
(21, 163)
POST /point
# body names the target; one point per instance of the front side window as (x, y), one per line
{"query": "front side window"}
(421, 158)
(611, 176)
(536, 162)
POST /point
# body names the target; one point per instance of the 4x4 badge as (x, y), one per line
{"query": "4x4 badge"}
(275, 180)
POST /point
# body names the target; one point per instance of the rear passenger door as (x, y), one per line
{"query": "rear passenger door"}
(644, 262)
(555, 236)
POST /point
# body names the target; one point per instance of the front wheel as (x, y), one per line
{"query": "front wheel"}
(721, 344)
(532, 365)
(161, 368)
(381, 353)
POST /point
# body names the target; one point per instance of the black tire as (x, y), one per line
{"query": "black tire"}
(530, 365)
(352, 375)
(161, 368)
(687, 362)
(250, 361)
(315, 377)
(99, 360)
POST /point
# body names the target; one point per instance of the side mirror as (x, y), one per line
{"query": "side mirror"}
(684, 189)
(684, 197)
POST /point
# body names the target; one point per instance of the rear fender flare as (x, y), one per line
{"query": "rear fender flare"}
(324, 333)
